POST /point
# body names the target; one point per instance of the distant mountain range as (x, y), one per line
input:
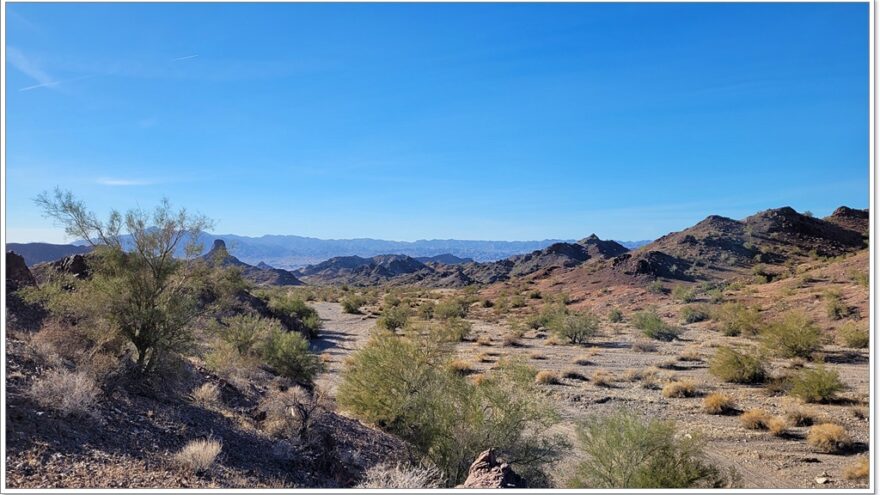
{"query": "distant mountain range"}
(291, 252)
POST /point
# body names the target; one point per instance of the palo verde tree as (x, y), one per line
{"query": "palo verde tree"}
(144, 284)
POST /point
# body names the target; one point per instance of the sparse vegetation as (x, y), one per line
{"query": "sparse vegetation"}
(683, 294)
(393, 317)
(735, 367)
(836, 308)
(626, 451)
(401, 384)
(208, 394)
(816, 384)
(576, 328)
(615, 316)
(389, 476)
(853, 335)
(859, 470)
(828, 438)
(737, 319)
(198, 455)
(68, 392)
(795, 335)
(717, 403)
(679, 389)
(755, 419)
(352, 303)
(652, 326)
(694, 314)
(547, 377)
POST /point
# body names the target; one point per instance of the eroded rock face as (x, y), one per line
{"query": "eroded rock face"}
(17, 273)
(75, 265)
(489, 472)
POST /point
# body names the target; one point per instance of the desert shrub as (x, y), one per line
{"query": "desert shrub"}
(602, 378)
(816, 385)
(859, 470)
(352, 303)
(683, 294)
(459, 366)
(738, 319)
(694, 314)
(652, 326)
(656, 287)
(198, 455)
(776, 425)
(799, 416)
(510, 339)
(644, 346)
(547, 377)
(289, 306)
(142, 292)
(518, 301)
(735, 367)
(207, 394)
(292, 413)
(576, 328)
(755, 419)
(624, 450)
(393, 317)
(288, 354)
(425, 310)
(834, 305)
(717, 403)
(245, 332)
(679, 389)
(615, 315)
(795, 335)
(535, 294)
(451, 308)
(389, 476)
(762, 275)
(453, 330)
(68, 392)
(574, 375)
(853, 335)
(391, 300)
(860, 277)
(828, 437)
(404, 385)
(549, 314)
(484, 340)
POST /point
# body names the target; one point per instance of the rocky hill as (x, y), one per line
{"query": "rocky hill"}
(719, 248)
(262, 274)
(41, 252)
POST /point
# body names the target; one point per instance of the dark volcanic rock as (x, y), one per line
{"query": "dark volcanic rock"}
(17, 273)
(219, 256)
(851, 219)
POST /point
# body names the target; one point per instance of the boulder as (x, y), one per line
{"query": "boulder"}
(17, 273)
(75, 265)
(489, 472)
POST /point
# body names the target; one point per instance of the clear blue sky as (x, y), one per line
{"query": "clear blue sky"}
(411, 121)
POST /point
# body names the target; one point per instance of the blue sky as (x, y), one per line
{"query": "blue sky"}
(479, 121)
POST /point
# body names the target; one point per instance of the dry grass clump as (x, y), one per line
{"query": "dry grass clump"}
(68, 392)
(484, 357)
(777, 426)
(755, 419)
(602, 378)
(547, 377)
(828, 438)
(574, 375)
(679, 389)
(650, 377)
(208, 394)
(691, 354)
(478, 378)
(510, 340)
(644, 346)
(717, 403)
(198, 455)
(800, 416)
(326, 357)
(859, 470)
(583, 361)
(460, 366)
(401, 476)
(484, 340)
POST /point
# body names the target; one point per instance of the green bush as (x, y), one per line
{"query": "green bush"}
(391, 300)
(815, 385)
(426, 310)
(837, 309)
(517, 301)
(736, 367)
(453, 330)
(652, 326)
(683, 294)
(549, 313)
(694, 314)
(393, 317)
(577, 328)
(853, 335)
(656, 287)
(352, 304)
(451, 308)
(737, 319)
(624, 450)
(288, 354)
(615, 316)
(795, 335)
(403, 385)
(290, 306)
